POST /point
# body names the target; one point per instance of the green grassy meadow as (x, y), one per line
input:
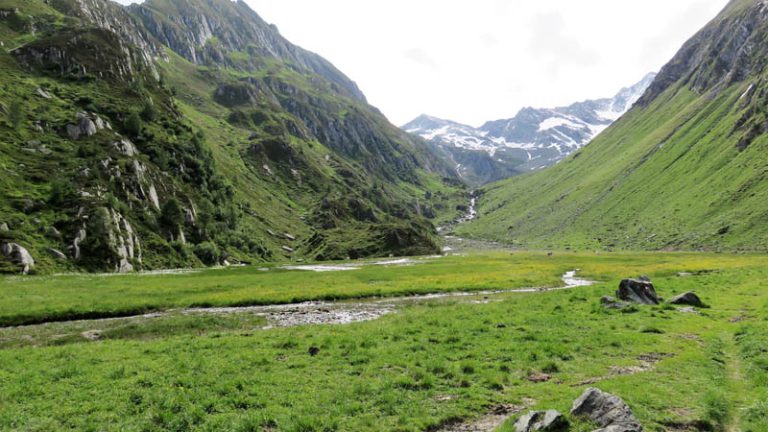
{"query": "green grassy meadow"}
(429, 364)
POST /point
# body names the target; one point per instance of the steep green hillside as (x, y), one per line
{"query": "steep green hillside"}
(685, 169)
(121, 153)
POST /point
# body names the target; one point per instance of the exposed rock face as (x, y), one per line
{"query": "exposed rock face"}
(114, 18)
(689, 299)
(189, 27)
(637, 291)
(82, 53)
(126, 147)
(18, 255)
(543, 421)
(87, 126)
(726, 51)
(607, 410)
(112, 237)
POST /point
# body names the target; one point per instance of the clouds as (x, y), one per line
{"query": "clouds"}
(421, 56)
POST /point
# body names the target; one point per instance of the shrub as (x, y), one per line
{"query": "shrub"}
(133, 125)
(208, 253)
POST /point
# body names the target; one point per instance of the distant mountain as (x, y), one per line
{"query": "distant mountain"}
(685, 168)
(533, 139)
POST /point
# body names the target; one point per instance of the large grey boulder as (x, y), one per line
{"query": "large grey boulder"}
(607, 410)
(18, 255)
(638, 291)
(688, 299)
(543, 421)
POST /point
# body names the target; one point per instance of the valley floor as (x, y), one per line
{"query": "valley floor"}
(429, 362)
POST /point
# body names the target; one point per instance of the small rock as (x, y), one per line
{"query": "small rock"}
(684, 274)
(43, 94)
(638, 291)
(545, 421)
(606, 410)
(290, 237)
(57, 254)
(609, 302)
(539, 377)
(92, 335)
(73, 131)
(688, 299)
(4, 227)
(87, 127)
(288, 249)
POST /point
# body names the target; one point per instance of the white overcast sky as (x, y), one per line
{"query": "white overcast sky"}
(484, 60)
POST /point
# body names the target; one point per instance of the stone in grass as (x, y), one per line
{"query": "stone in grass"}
(611, 303)
(607, 410)
(687, 299)
(543, 421)
(638, 291)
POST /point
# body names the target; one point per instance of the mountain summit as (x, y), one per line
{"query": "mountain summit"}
(532, 140)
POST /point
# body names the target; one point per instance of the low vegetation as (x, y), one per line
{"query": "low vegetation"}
(430, 364)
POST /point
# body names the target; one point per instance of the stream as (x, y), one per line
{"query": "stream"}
(337, 312)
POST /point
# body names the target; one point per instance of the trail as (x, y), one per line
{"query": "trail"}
(734, 369)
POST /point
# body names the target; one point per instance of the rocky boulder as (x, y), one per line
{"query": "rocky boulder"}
(607, 410)
(544, 421)
(639, 290)
(4, 227)
(18, 255)
(687, 299)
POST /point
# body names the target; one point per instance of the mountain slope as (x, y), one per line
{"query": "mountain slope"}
(532, 140)
(122, 152)
(684, 169)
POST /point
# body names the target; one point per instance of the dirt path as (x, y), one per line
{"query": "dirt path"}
(735, 375)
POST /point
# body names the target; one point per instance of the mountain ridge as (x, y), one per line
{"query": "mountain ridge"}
(534, 139)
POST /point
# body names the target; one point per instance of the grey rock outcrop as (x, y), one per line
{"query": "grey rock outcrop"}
(542, 421)
(18, 255)
(607, 410)
(43, 94)
(687, 299)
(75, 248)
(639, 290)
(126, 147)
(4, 227)
(57, 254)
(87, 125)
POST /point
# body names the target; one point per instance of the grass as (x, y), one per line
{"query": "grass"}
(55, 298)
(412, 371)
